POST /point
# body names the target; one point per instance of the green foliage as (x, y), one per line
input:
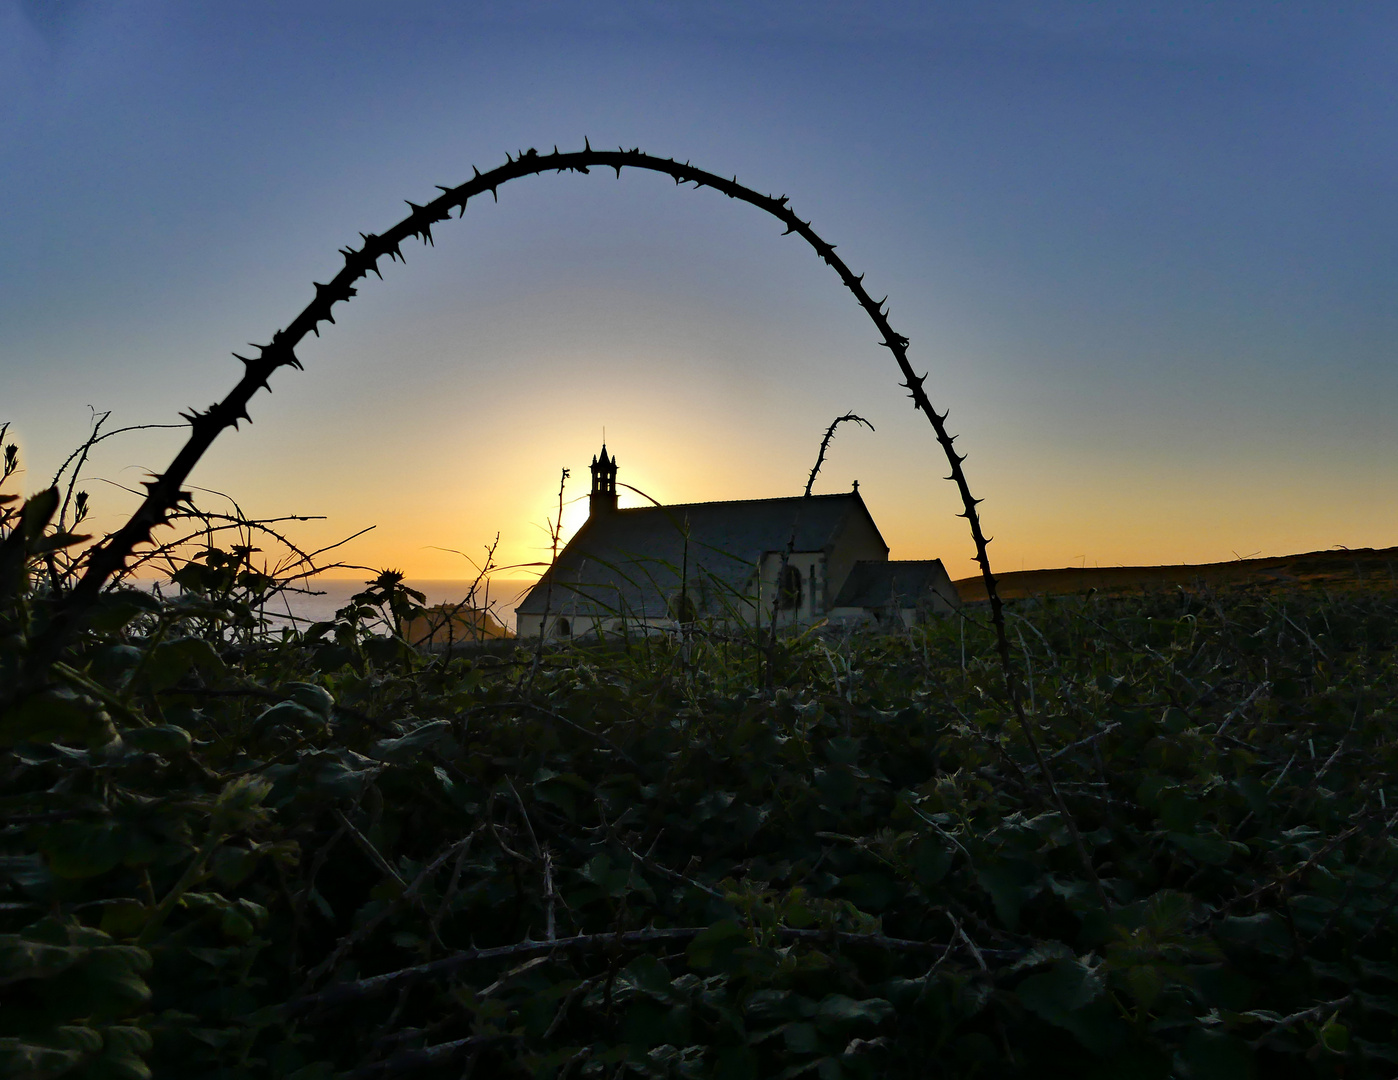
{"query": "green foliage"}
(233, 852)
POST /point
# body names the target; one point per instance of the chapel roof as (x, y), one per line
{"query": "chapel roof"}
(631, 558)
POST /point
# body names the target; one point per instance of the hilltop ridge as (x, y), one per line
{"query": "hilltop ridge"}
(1336, 568)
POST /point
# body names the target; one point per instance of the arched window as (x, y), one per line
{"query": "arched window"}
(562, 628)
(789, 595)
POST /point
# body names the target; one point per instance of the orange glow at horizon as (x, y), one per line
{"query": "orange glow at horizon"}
(1144, 255)
(434, 513)
(1116, 521)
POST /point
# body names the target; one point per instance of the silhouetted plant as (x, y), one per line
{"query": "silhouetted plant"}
(233, 850)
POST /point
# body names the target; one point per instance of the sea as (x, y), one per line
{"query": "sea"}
(325, 596)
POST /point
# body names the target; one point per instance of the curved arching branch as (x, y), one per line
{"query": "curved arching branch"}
(165, 491)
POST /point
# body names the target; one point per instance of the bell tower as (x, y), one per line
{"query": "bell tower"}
(603, 499)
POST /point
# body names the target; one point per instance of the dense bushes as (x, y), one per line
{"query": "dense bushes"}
(232, 852)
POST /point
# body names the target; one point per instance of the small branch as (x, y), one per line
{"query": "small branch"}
(528, 825)
(408, 895)
(426, 1057)
(1257, 691)
(367, 846)
(520, 969)
(345, 993)
(665, 871)
(1081, 742)
(961, 933)
(573, 995)
(1315, 1012)
(550, 933)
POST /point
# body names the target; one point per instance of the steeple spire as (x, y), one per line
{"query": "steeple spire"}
(603, 499)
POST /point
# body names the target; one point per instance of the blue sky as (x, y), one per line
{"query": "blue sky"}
(1146, 252)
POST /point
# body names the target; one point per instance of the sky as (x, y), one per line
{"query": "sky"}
(1147, 254)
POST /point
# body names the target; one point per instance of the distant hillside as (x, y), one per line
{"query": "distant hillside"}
(1370, 567)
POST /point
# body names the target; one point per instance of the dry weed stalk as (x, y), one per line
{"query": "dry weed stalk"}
(790, 549)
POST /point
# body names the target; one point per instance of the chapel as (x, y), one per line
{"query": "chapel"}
(652, 568)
